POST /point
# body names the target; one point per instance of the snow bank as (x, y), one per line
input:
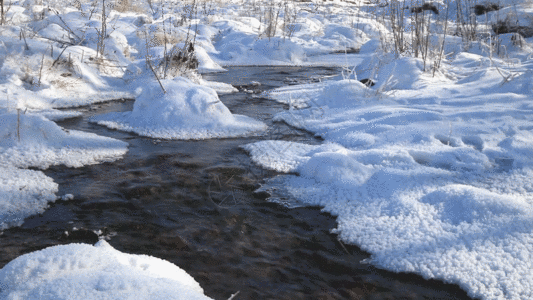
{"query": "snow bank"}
(205, 63)
(80, 271)
(70, 80)
(389, 73)
(23, 193)
(185, 111)
(471, 229)
(31, 140)
(330, 94)
(38, 142)
(430, 175)
(245, 41)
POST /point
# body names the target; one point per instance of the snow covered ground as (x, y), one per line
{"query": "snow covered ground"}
(431, 175)
(429, 170)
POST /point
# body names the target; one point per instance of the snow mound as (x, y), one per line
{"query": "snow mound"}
(280, 156)
(335, 168)
(80, 271)
(185, 111)
(389, 73)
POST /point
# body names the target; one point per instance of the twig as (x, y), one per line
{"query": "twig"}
(2, 19)
(57, 59)
(443, 39)
(18, 124)
(217, 206)
(223, 200)
(155, 74)
(505, 79)
(234, 295)
(117, 66)
(229, 180)
(344, 247)
(218, 180)
(68, 28)
(24, 36)
(41, 71)
(57, 41)
(147, 57)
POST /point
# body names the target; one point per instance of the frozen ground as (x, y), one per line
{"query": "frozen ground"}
(429, 170)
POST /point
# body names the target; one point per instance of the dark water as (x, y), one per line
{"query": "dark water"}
(192, 203)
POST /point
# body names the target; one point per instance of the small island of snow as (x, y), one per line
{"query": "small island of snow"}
(185, 111)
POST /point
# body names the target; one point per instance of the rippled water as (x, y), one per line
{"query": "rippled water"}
(192, 203)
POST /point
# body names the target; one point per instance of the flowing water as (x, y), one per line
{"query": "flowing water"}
(193, 203)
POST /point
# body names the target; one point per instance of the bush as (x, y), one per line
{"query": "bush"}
(425, 6)
(481, 9)
(505, 27)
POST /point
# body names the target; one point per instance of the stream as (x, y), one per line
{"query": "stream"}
(193, 203)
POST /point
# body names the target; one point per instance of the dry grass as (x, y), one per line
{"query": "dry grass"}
(128, 6)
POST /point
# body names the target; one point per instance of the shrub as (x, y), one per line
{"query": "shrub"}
(425, 6)
(481, 9)
(501, 27)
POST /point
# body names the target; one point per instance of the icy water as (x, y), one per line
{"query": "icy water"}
(193, 203)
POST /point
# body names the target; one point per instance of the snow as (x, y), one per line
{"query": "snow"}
(43, 143)
(428, 170)
(23, 193)
(428, 174)
(185, 111)
(471, 229)
(81, 271)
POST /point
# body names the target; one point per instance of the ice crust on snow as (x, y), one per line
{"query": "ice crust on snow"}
(186, 111)
(81, 271)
